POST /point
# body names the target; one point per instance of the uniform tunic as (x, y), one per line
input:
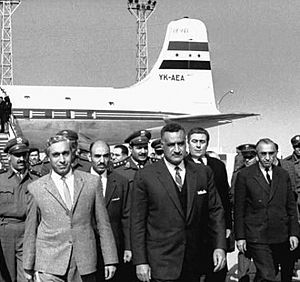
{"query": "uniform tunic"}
(13, 208)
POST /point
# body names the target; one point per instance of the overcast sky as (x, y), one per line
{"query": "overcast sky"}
(254, 48)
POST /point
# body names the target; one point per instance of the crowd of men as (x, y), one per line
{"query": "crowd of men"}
(121, 215)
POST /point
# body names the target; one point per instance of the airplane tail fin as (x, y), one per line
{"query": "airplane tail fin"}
(183, 70)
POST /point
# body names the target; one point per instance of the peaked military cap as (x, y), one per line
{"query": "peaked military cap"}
(295, 140)
(68, 133)
(138, 138)
(156, 145)
(246, 148)
(16, 145)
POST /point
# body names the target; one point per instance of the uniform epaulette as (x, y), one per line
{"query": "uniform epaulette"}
(34, 172)
(2, 170)
(121, 163)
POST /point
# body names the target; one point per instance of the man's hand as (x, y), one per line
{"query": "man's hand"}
(143, 272)
(294, 241)
(219, 258)
(109, 271)
(127, 256)
(28, 275)
(241, 245)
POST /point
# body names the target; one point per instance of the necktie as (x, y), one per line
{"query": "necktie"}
(67, 193)
(201, 160)
(102, 187)
(178, 179)
(268, 176)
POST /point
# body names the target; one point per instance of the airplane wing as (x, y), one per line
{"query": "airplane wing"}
(207, 120)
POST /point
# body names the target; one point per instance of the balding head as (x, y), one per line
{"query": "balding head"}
(99, 156)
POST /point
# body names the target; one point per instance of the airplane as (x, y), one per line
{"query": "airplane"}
(179, 88)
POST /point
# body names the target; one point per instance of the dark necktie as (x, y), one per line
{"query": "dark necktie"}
(268, 176)
(178, 179)
(67, 193)
(201, 160)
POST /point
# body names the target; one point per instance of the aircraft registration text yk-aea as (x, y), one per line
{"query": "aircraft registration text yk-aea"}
(173, 77)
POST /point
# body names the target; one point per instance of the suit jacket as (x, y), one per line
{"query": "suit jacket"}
(264, 214)
(221, 182)
(161, 234)
(117, 200)
(52, 232)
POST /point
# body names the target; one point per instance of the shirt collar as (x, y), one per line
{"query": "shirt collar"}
(264, 169)
(171, 167)
(57, 176)
(94, 172)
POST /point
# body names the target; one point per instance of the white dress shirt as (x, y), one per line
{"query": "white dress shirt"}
(263, 170)
(172, 170)
(103, 179)
(69, 179)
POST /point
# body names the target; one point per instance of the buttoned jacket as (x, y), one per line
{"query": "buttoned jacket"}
(263, 213)
(162, 234)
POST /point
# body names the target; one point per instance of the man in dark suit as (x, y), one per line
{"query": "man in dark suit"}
(59, 240)
(117, 200)
(198, 140)
(266, 222)
(175, 209)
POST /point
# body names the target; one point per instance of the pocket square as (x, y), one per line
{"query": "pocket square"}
(201, 192)
(115, 199)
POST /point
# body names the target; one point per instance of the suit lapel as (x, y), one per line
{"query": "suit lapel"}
(50, 186)
(110, 188)
(190, 180)
(259, 177)
(167, 182)
(78, 185)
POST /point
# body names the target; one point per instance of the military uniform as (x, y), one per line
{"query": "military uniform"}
(40, 167)
(128, 167)
(81, 164)
(14, 197)
(293, 165)
(158, 149)
(246, 156)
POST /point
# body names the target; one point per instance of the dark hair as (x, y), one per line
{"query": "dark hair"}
(56, 139)
(123, 148)
(171, 127)
(199, 130)
(266, 141)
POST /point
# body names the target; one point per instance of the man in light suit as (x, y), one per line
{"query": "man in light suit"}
(116, 194)
(175, 210)
(266, 224)
(59, 240)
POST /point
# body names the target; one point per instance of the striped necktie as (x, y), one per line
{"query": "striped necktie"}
(178, 178)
